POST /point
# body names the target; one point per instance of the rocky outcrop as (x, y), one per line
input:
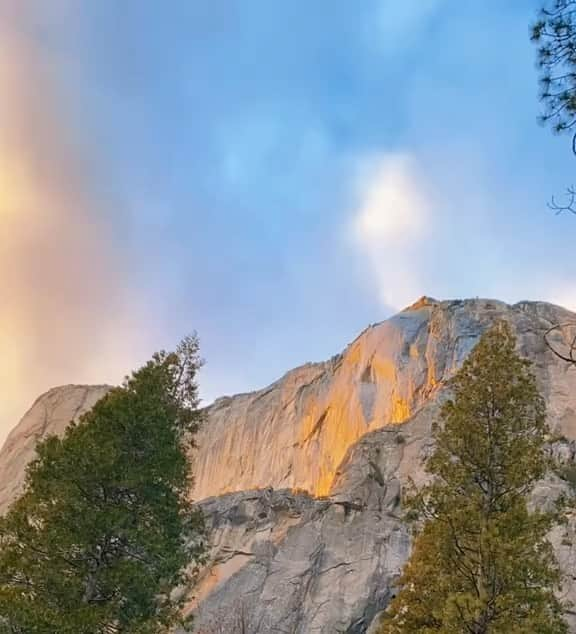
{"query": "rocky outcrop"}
(298, 564)
(334, 567)
(302, 482)
(295, 433)
(50, 414)
(286, 562)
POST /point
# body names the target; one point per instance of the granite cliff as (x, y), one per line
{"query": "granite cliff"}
(302, 481)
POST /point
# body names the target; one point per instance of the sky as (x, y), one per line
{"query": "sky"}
(272, 175)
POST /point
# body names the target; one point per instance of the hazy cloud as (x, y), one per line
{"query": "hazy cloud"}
(563, 295)
(388, 225)
(61, 273)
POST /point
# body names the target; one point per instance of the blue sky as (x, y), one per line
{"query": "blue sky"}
(277, 175)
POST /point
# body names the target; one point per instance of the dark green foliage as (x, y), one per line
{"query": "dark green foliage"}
(555, 35)
(105, 530)
(481, 563)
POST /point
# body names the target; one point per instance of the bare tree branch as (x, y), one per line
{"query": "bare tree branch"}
(569, 205)
(570, 355)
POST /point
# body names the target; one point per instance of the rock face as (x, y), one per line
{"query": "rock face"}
(287, 562)
(50, 414)
(302, 482)
(295, 433)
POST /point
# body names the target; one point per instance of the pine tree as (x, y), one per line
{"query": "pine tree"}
(554, 34)
(481, 563)
(105, 530)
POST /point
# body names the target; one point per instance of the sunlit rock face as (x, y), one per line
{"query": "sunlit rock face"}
(295, 433)
(288, 562)
(302, 482)
(50, 414)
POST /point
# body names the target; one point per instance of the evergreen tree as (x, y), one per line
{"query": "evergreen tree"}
(104, 531)
(554, 33)
(481, 563)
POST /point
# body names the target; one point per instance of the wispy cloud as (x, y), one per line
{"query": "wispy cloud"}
(389, 223)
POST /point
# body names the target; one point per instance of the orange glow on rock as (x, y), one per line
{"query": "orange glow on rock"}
(296, 433)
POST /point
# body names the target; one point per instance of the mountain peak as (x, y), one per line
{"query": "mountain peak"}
(422, 302)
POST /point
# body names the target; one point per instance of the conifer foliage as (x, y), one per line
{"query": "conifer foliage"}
(105, 531)
(555, 35)
(481, 563)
